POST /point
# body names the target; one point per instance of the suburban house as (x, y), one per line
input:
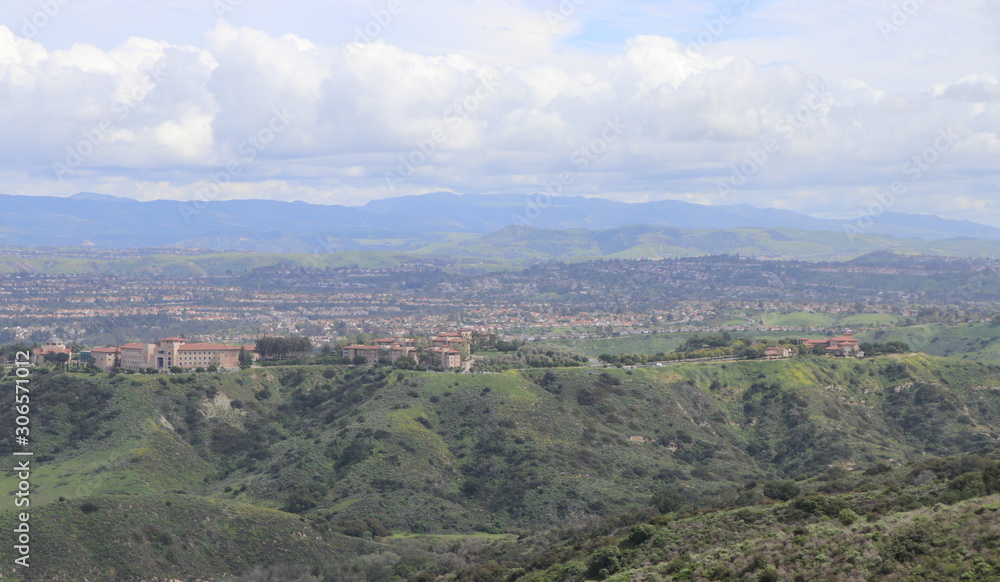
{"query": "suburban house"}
(778, 352)
(842, 345)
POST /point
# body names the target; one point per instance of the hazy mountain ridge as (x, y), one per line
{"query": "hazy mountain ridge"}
(391, 224)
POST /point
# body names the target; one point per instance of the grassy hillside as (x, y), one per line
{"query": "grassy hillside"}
(369, 452)
(525, 243)
(933, 522)
(521, 246)
(972, 341)
(170, 535)
(202, 264)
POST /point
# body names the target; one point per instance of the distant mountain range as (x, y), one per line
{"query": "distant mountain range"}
(425, 223)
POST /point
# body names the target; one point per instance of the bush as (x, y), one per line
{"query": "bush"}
(299, 500)
(908, 543)
(604, 562)
(991, 479)
(781, 490)
(847, 516)
(965, 486)
(667, 500)
(638, 534)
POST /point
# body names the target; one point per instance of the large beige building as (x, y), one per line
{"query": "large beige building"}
(392, 349)
(168, 353)
(441, 354)
(105, 358)
(446, 357)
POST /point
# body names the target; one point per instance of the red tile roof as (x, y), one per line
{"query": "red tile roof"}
(54, 351)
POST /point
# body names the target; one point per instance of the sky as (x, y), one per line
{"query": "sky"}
(842, 109)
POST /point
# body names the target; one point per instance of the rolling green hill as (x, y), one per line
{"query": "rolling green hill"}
(971, 341)
(136, 537)
(524, 244)
(201, 264)
(370, 452)
(932, 522)
(521, 245)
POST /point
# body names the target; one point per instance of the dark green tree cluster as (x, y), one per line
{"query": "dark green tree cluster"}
(891, 347)
(697, 342)
(282, 347)
(8, 353)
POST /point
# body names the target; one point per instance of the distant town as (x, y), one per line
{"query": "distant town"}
(553, 301)
(446, 350)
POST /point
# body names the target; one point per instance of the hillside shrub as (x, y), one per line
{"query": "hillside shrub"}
(638, 534)
(965, 486)
(299, 500)
(908, 543)
(847, 516)
(668, 500)
(991, 479)
(604, 562)
(781, 490)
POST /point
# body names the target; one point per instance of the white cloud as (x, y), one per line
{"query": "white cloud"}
(492, 96)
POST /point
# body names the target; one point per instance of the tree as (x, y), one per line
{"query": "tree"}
(604, 562)
(483, 341)
(299, 500)
(991, 478)
(246, 359)
(406, 363)
(668, 500)
(59, 359)
(282, 347)
(781, 490)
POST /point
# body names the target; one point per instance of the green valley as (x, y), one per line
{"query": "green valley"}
(356, 461)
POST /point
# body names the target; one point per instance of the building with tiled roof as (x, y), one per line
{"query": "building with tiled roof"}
(443, 357)
(372, 354)
(842, 345)
(171, 352)
(49, 350)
